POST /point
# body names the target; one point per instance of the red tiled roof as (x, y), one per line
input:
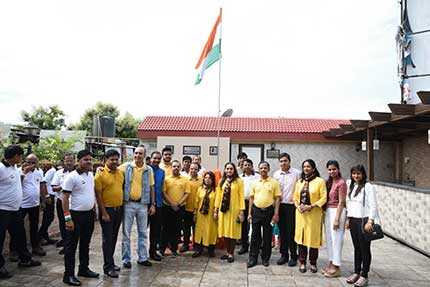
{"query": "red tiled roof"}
(201, 126)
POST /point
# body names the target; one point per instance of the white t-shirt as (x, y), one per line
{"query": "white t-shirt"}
(287, 183)
(247, 182)
(49, 176)
(59, 179)
(31, 188)
(81, 189)
(10, 188)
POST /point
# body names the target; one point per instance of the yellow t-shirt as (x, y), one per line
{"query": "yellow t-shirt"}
(110, 183)
(167, 169)
(265, 192)
(194, 186)
(176, 187)
(136, 183)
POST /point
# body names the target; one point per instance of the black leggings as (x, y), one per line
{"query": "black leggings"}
(362, 255)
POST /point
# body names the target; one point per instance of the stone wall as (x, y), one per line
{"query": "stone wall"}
(416, 158)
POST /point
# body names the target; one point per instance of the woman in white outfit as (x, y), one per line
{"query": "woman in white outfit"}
(335, 216)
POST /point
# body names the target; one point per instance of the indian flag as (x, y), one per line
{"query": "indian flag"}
(212, 51)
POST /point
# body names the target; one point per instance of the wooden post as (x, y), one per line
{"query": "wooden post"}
(370, 159)
(398, 171)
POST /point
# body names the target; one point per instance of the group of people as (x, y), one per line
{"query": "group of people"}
(183, 200)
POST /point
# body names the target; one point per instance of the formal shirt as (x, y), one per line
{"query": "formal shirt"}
(247, 182)
(49, 176)
(110, 184)
(287, 182)
(10, 187)
(265, 192)
(31, 188)
(159, 176)
(175, 187)
(354, 204)
(81, 189)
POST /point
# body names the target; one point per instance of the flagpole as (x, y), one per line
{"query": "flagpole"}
(219, 96)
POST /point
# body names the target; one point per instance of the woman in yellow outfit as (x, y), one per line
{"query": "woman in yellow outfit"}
(229, 207)
(309, 197)
(206, 228)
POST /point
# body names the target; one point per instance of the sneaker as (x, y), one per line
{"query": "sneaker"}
(127, 265)
(146, 263)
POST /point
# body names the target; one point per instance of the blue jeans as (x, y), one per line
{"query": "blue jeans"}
(140, 211)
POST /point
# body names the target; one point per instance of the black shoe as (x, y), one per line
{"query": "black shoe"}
(31, 263)
(251, 263)
(265, 263)
(155, 257)
(146, 263)
(38, 251)
(162, 252)
(282, 260)
(174, 253)
(196, 254)
(127, 265)
(292, 262)
(242, 251)
(60, 243)
(88, 274)
(224, 257)
(47, 241)
(13, 256)
(184, 248)
(112, 273)
(116, 268)
(61, 252)
(71, 280)
(230, 259)
(302, 269)
(4, 274)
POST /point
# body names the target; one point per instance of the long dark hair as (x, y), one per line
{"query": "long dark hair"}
(212, 176)
(360, 168)
(313, 165)
(329, 181)
(224, 176)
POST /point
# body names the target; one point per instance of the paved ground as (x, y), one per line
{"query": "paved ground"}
(393, 265)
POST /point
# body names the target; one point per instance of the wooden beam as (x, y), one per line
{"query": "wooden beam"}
(402, 109)
(359, 123)
(328, 134)
(347, 128)
(380, 117)
(336, 132)
(424, 97)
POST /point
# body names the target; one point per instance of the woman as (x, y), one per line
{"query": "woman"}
(229, 207)
(206, 226)
(358, 214)
(335, 216)
(309, 197)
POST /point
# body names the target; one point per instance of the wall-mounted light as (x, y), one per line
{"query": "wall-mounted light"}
(429, 137)
(363, 145)
(376, 141)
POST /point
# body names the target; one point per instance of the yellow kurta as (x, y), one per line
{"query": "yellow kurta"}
(194, 186)
(309, 224)
(227, 225)
(206, 228)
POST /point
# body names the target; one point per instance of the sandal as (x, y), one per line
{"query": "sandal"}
(230, 259)
(352, 278)
(332, 273)
(314, 269)
(362, 281)
(302, 268)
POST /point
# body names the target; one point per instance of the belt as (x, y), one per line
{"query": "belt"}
(137, 200)
(264, 209)
(114, 207)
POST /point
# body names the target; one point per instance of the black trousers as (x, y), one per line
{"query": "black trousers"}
(287, 227)
(155, 222)
(60, 215)
(362, 255)
(110, 231)
(171, 228)
(84, 227)
(48, 218)
(261, 219)
(14, 223)
(187, 224)
(303, 254)
(33, 216)
(245, 227)
(199, 247)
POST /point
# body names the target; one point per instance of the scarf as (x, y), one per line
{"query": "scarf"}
(305, 197)
(206, 201)
(225, 205)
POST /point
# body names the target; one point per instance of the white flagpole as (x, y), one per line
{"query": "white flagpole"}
(219, 94)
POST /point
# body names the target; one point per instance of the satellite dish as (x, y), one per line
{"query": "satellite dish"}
(227, 113)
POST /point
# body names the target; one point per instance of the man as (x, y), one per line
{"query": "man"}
(10, 216)
(57, 186)
(240, 158)
(248, 177)
(186, 162)
(138, 199)
(195, 182)
(48, 211)
(78, 193)
(155, 220)
(108, 187)
(287, 178)
(175, 193)
(166, 164)
(198, 159)
(33, 191)
(263, 214)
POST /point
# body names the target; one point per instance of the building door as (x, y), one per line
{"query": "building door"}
(255, 152)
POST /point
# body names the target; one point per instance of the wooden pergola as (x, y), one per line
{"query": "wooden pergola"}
(404, 120)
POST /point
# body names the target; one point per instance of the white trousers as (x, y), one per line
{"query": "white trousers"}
(334, 238)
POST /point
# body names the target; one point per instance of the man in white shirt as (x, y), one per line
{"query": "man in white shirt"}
(248, 177)
(287, 177)
(10, 203)
(48, 211)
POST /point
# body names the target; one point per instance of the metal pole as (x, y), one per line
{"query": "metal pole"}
(219, 96)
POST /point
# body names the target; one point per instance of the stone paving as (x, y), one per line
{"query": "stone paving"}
(393, 265)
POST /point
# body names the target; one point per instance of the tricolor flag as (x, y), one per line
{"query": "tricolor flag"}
(212, 50)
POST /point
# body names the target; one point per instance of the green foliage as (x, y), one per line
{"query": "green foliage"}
(126, 127)
(3, 146)
(100, 109)
(51, 118)
(53, 148)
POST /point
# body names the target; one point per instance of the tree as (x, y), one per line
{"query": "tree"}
(126, 127)
(51, 118)
(100, 109)
(53, 148)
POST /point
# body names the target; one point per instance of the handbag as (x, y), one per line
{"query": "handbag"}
(377, 232)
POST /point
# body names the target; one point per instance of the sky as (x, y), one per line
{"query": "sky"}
(281, 58)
